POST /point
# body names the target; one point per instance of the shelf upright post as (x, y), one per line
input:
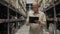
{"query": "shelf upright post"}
(55, 18)
(8, 17)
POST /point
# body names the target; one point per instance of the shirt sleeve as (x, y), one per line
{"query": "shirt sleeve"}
(43, 21)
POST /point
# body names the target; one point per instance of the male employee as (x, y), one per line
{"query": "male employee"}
(36, 28)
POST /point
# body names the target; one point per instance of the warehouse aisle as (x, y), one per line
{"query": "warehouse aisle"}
(25, 30)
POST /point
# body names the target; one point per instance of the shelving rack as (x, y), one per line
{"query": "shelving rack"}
(53, 14)
(10, 18)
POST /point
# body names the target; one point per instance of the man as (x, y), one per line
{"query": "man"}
(36, 28)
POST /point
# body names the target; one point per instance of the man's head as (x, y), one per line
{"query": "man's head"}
(35, 6)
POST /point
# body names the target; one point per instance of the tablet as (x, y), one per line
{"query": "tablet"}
(32, 19)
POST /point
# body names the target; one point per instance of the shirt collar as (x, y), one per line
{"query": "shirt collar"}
(38, 12)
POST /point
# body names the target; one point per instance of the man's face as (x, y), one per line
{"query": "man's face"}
(35, 7)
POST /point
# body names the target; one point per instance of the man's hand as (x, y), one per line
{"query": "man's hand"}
(37, 21)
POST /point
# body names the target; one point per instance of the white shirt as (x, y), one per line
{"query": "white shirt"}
(34, 27)
(41, 15)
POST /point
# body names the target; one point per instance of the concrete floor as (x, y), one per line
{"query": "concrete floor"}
(25, 30)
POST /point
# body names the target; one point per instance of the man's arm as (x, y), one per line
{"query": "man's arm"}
(43, 21)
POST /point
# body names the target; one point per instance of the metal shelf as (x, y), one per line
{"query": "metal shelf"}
(51, 6)
(9, 20)
(10, 6)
